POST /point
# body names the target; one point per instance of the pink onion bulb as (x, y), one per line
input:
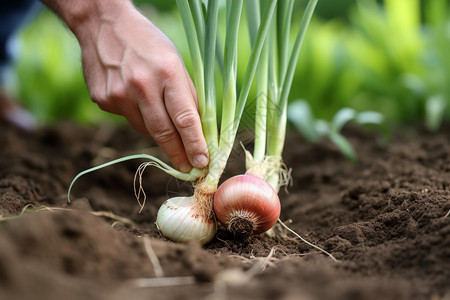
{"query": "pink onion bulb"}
(246, 205)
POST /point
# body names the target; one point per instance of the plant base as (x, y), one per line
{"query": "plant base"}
(242, 224)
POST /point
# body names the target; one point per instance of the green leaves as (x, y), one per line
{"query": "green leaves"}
(301, 116)
(434, 112)
(201, 29)
(48, 77)
(313, 130)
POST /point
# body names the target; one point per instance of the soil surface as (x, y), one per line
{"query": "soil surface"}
(385, 219)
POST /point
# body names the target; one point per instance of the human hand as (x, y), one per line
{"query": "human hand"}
(132, 69)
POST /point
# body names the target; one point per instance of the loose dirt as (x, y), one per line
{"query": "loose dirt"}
(385, 218)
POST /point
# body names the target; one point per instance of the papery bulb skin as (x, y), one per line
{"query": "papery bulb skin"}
(246, 205)
(180, 220)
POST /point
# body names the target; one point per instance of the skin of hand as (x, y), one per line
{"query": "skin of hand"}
(132, 69)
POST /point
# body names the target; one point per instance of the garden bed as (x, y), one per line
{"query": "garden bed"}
(385, 219)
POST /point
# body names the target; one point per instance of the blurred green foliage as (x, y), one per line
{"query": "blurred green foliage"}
(48, 75)
(389, 56)
(313, 130)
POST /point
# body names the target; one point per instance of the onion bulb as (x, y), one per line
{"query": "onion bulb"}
(180, 219)
(246, 205)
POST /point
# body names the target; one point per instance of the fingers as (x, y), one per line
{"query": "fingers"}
(176, 127)
(162, 130)
(143, 105)
(187, 123)
(170, 113)
(181, 105)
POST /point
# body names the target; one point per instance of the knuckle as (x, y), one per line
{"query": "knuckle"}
(118, 93)
(95, 96)
(139, 79)
(98, 98)
(170, 66)
(186, 119)
(163, 135)
(102, 101)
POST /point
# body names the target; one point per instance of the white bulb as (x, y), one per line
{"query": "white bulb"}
(180, 220)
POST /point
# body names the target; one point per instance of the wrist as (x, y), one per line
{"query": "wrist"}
(82, 15)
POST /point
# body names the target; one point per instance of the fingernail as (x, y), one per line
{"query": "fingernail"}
(185, 167)
(200, 161)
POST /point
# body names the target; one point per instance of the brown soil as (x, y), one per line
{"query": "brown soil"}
(384, 218)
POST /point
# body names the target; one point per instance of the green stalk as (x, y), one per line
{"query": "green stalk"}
(193, 175)
(253, 19)
(219, 55)
(232, 110)
(207, 113)
(261, 104)
(273, 91)
(199, 22)
(276, 143)
(278, 72)
(227, 135)
(253, 61)
(196, 57)
(285, 9)
(210, 51)
(272, 175)
(289, 75)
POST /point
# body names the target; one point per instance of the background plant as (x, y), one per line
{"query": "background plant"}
(314, 130)
(390, 56)
(48, 75)
(386, 56)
